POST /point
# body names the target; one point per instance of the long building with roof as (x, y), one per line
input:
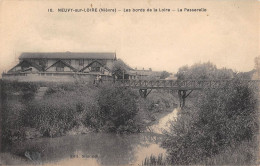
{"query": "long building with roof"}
(61, 66)
(71, 66)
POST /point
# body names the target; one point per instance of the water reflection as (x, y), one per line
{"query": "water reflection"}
(95, 148)
(164, 123)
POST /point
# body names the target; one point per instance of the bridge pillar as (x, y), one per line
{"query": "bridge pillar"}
(182, 96)
(144, 92)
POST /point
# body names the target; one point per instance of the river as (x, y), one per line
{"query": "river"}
(96, 149)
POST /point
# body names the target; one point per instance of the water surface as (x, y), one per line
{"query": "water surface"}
(96, 148)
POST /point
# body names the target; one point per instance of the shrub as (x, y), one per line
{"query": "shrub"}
(117, 109)
(13, 95)
(24, 89)
(164, 74)
(59, 112)
(222, 118)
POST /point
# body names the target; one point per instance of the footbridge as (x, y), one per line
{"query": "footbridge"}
(183, 87)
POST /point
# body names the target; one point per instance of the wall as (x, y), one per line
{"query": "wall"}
(52, 77)
(110, 64)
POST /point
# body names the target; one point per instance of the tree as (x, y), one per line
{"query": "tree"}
(119, 69)
(222, 118)
(203, 71)
(118, 109)
(164, 75)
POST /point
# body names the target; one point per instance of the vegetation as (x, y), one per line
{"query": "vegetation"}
(120, 69)
(10, 110)
(219, 128)
(99, 108)
(59, 112)
(204, 71)
(66, 108)
(117, 109)
(154, 160)
(223, 120)
(26, 90)
(164, 74)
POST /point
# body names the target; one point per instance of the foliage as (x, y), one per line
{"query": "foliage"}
(154, 160)
(118, 109)
(119, 68)
(13, 95)
(243, 154)
(245, 75)
(157, 102)
(66, 106)
(204, 71)
(24, 89)
(222, 118)
(63, 87)
(11, 122)
(59, 112)
(164, 75)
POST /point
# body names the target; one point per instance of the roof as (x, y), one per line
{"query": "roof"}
(66, 64)
(68, 55)
(124, 64)
(145, 72)
(30, 63)
(91, 64)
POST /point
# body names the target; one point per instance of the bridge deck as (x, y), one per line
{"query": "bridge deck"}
(183, 84)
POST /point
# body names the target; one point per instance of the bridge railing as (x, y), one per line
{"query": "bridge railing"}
(184, 84)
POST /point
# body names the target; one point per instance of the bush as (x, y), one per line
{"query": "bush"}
(62, 108)
(164, 74)
(59, 112)
(24, 89)
(117, 109)
(223, 118)
(13, 95)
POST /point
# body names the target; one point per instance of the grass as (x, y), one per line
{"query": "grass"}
(154, 160)
(243, 154)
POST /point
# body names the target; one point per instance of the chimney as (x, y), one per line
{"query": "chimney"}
(115, 57)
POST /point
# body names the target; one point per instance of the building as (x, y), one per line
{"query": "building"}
(144, 74)
(61, 66)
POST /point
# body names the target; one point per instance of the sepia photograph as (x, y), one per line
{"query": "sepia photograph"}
(129, 82)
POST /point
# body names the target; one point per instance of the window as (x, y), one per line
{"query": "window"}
(43, 63)
(58, 68)
(95, 69)
(81, 62)
(25, 65)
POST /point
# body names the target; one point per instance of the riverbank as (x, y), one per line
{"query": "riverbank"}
(77, 109)
(144, 143)
(100, 148)
(67, 112)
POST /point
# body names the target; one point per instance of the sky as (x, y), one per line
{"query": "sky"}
(226, 35)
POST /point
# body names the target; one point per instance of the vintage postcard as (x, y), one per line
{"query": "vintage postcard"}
(120, 82)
